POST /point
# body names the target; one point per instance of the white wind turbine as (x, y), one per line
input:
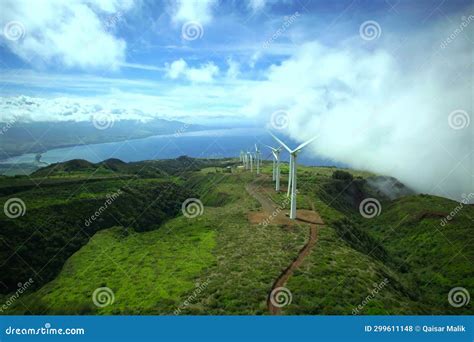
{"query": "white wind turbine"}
(292, 175)
(276, 166)
(257, 159)
(250, 158)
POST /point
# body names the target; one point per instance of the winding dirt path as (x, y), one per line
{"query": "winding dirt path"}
(310, 217)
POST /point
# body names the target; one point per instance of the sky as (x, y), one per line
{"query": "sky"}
(386, 85)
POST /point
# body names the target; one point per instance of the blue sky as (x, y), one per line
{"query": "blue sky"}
(125, 49)
(386, 85)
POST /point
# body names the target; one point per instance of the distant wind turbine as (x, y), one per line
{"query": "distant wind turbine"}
(276, 166)
(292, 175)
(257, 159)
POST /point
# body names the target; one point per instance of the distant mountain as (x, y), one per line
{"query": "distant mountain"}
(37, 137)
(117, 167)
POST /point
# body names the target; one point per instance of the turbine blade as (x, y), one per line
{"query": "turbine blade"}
(281, 142)
(270, 147)
(305, 143)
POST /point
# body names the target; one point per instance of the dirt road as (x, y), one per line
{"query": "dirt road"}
(310, 217)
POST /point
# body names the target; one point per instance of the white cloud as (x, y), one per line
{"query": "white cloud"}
(377, 112)
(75, 34)
(193, 10)
(180, 69)
(234, 69)
(257, 5)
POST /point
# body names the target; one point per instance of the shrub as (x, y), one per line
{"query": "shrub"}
(342, 175)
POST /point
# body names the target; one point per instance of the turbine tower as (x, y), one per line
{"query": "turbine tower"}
(250, 158)
(292, 176)
(276, 166)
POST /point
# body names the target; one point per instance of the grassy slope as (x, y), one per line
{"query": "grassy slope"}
(241, 261)
(438, 257)
(155, 272)
(56, 211)
(423, 260)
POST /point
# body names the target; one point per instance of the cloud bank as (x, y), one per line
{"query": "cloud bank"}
(381, 111)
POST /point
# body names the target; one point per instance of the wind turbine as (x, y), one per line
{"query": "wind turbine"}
(276, 166)
(257, 159)
(292, 175)
(250, 157)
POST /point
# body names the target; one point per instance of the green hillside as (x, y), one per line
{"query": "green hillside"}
(155, 260)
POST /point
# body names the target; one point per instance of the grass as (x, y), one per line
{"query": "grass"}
(148, 272)
(156, 265)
